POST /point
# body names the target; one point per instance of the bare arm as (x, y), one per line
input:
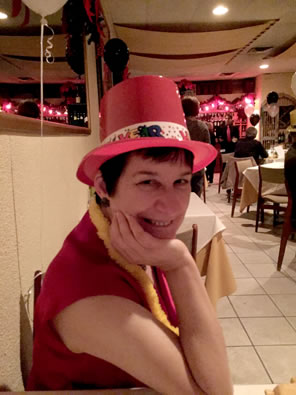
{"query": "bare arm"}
(200, 333)
(128, 336)
(108, 326)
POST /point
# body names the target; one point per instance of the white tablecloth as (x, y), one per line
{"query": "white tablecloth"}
(252, 174)
(208, 223)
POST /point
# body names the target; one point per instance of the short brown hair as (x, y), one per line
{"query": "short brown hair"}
(190, 106)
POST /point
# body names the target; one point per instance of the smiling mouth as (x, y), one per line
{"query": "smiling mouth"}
(158, 223)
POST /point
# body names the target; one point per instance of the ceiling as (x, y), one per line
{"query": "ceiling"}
(175, 38)
(183, 39)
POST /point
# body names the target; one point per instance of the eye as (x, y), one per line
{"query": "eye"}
(182, 181)
(148, 183)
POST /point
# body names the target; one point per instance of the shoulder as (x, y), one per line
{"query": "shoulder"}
(79, 273)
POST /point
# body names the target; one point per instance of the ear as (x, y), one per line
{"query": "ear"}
(100, 185)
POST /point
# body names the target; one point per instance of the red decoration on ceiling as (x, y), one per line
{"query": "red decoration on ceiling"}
(16, 9)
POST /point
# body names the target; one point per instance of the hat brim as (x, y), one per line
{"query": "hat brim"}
(204, 154)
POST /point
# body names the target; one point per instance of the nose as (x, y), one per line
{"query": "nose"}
(169, 202)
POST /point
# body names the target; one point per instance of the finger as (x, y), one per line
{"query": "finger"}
(144, 238)
(122, 237)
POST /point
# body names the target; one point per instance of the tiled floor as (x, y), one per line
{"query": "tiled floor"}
(259, 319)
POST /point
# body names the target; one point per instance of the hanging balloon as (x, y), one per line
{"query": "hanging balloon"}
(273, 110)
(272, 97)
(293, 84)
(75, 54)
(249, 109)
(44, 8)
(116, 54)
(254, 119)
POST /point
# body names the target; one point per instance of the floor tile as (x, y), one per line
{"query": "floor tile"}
(292, 321)
(263, 270)
(234, 333)
(239, 271)
(248, 286)
(233, 258)
(224, 308)
(290, 270)
(244, 248)
(253, 256)
(273, 252)
(285, 303)
(246, 367)
(254, 306)
(280, 361)
(278, 285)
(258, 257)
(269, 330)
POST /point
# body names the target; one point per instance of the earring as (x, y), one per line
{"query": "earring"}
(105, 202)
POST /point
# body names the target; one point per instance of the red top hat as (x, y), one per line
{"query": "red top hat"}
(142, 112)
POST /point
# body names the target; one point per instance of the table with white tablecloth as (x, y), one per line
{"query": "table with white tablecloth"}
(251, 185)
(211, 257)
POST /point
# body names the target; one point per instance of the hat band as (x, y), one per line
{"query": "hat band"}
(168, 130)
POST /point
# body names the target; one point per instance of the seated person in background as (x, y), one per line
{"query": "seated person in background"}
(28, 108)
(123, 304)
(199, 132)
(290, 166)
(250, 147)
(228, 135)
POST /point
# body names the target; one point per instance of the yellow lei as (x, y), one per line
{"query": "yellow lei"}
(102, 225)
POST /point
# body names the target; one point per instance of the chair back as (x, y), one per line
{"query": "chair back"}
(230, 172)
(240, 167)
(225, 157)
(271, 176)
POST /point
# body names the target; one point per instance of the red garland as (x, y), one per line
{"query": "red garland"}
(185, 84)
(98, 13)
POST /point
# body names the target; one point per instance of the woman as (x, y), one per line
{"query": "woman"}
(113, 297)
(250, 147)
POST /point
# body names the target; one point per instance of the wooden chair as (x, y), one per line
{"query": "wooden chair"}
(205, 183)
(287, 229)
(270, 201)
(220, 164)
(240, 166)
(222, 160)
(194, 240)
(38, 276)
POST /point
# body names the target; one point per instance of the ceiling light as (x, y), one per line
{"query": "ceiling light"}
(220, 10)
(3, 15)
(264, 66)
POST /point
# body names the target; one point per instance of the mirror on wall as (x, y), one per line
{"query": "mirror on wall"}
(63, 76)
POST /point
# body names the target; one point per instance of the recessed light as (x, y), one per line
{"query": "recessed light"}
(3, 15)
(264, 66)
(220, 10)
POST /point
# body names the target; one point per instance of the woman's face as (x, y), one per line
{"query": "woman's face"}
(155, 193)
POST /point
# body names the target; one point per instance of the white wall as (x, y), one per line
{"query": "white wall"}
(278, 82)
(41, 201)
